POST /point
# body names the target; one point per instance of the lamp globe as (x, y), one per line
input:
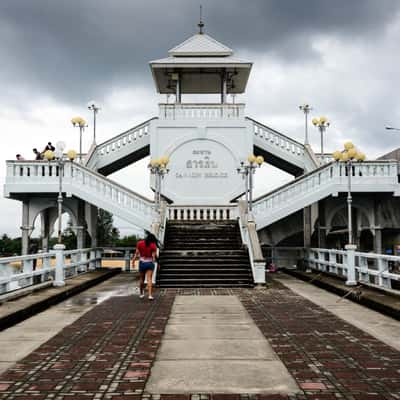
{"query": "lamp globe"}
(49, 155)
(251, 158)
(259, 160)
(71, 154)
(337, 155)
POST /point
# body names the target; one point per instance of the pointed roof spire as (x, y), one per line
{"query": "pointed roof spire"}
(201, 24)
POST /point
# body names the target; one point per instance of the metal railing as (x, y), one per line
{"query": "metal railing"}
(201, 111)
(21, 271)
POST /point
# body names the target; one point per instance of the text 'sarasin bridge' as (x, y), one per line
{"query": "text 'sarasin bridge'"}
(204, 144)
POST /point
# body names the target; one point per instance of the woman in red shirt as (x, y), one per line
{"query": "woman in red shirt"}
(146, 251)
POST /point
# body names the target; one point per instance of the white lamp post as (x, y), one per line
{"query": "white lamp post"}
(306, 108)
(158, 168)
(57, 156)
(79, 122)
(348, 156)
(92, 105)
(321, 123)
(247, 171)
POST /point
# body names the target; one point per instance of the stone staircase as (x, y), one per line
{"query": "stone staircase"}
(204, 254)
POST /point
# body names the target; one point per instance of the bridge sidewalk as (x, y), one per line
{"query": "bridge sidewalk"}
(108, 352)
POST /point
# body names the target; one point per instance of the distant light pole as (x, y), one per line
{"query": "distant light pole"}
(58, 157)
(92, 105)
(247, 171)
(321, 123)
(158, 168)
(79, 122)
(349, 155)
(306, 108)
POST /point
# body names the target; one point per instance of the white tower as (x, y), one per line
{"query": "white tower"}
(204, 141)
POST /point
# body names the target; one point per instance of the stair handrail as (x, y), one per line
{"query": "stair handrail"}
(112, 182)
(117, 137)
(308, 174)
(289, 139)
(250, 238)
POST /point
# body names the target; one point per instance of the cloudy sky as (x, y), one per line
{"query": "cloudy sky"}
(339, 56)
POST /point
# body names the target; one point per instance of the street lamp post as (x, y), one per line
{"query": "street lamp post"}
(348, 156)
(321, 123)
(58, 157)
(306, 108)
(247, 171)
(92, 105)
(79, 122)
(158, 167)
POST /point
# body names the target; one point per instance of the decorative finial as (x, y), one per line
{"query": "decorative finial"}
(201, 24)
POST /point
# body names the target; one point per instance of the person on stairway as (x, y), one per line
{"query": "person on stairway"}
(146, 251)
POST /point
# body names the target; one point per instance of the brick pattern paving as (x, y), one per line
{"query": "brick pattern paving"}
(106, 354)
(328, 357)
(109, 351)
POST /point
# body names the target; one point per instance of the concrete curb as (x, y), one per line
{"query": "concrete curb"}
(63, 293)
(386, 304)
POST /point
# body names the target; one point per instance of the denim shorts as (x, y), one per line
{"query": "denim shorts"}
(146, 266)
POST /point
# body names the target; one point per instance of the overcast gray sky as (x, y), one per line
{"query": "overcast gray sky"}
(339, 56)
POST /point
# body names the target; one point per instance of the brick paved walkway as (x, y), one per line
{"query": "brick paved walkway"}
(108, 353)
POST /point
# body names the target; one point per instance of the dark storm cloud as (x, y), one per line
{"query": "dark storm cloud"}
(62, 48)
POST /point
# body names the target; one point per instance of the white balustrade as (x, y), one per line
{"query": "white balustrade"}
(42, 176)
(370, 268)
(201, 111)
(127, 142)
(206, 213)
(18, 272)
(132, 136)
(369, 176)
(278, 140)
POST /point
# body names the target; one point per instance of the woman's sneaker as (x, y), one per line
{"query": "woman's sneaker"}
(141, 295)
(151, 298)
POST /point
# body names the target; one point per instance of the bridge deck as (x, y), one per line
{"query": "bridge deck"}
(102, 344)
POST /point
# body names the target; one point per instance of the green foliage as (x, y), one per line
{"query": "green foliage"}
(10, 247)
(107, 233)
(127, 241)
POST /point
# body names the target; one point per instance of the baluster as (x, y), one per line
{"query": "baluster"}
(383, 267)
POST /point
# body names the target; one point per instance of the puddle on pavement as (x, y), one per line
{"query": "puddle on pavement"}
(121, 285)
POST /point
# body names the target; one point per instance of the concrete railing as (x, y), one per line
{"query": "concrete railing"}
(369, 268)
(43, 177)
(369, 176)
(250, 239)
(56, 266)
(201, 111)
(119, 146)
(278, 144)
(204, 213)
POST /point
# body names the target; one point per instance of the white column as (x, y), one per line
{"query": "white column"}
(351, 268)
(59, 275)
(25, 227)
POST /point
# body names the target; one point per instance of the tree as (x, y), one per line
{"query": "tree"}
(107, 233)
(127, 241)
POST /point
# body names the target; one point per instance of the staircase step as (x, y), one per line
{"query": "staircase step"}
(204, 254)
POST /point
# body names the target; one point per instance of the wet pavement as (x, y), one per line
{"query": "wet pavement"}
(20, 340)
(103, 344)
